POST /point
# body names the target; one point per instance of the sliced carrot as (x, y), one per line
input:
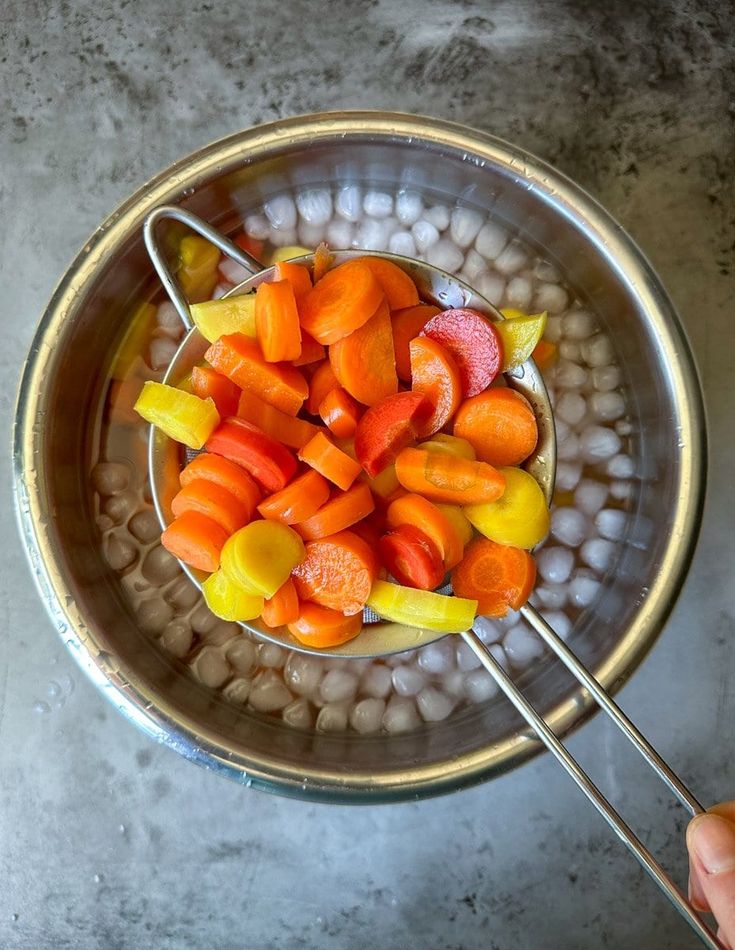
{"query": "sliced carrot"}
(499, 424)
(206, 383)
(387, 427)
(385, 484)
(322, 261)
(282, 607)
(473, 342)
(322, 382)
(250, 244)
(419, 511)
(297, 275)
(447, 478)
(311, 351)
(321, 627)
(544, 354)
(435, 373)
(340, 412)
(340, 302)
(329, 461)
(364, 362)
(337, 572)
(277, 322)
(211, 500)
(290, 430)
(407, 325)
(227, 474)
(371, 529)
(196, 540)
(340, 512)
(297, 501)
(400, 291)
(239, 358)
(269, 462)
(412, 557)
(496, 575)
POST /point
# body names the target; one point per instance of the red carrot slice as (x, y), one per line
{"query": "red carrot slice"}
(269, 462)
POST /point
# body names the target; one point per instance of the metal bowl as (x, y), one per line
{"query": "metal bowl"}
(57, 432)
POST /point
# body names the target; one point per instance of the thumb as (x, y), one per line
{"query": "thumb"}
(711, 843)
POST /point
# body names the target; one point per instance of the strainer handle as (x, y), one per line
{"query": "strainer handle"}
(581, 778)
(168, 278)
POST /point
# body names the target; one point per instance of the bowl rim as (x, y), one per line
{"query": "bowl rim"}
(143, 705)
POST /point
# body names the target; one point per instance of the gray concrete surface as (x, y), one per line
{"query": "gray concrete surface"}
(108, 841)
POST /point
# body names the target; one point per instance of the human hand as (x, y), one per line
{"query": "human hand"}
(711, 844)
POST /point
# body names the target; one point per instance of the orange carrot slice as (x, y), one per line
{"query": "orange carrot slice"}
(226, 474)
(495, 575)
(277, 322)
(196, 540)
(297, 275)
(364, 362)
(400, 291)
(206, 383)
(331, 462)
(412, 557)
(290, 430)
(322, 382)
(282, 607)
(421, 513)
(320, 627)
(239, 358)
(447, 478)
(297, 501)
(340, 412)
(337, 572)
(408, 324)
(544, 354)
(269, 462)
(211, 500)
(435, 373)
(340, 512)
(387, 427)
(340, 302)
(322, 261)
(499, 424)
(311, 351)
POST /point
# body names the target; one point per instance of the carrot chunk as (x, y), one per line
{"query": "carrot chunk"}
(340, 302)
(387, 427)
(340, 512)
(340, 412)
(297, 275)
(269, 462)
(297, 501)
(331, 462)
(435, 373)
(322, 382)
(496, 575)
(196, 540)
(240, 359)
(290, 430)
(227, 474)
(282, 607)
(337, 572)
(448, 478)
(319, 627)
(206, 383)
(322, 261)
(211, 500)
(277, 322)
(474, 343)
(499, 424)
(311, 351)
(364, 361)
(412, 557)
(407, 325)
(418, 511)
(400, 291)
(544, 354)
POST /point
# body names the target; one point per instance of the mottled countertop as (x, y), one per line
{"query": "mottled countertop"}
(109, 841)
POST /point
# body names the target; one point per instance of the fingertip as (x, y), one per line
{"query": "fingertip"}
(697, 897)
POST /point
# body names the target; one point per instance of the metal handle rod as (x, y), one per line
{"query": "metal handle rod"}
(169, 281)
(595, 796)
(616, 714)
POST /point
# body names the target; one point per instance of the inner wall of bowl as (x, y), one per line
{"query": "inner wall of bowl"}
(88, 341)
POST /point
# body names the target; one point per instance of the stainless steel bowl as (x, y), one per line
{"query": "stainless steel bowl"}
(57, 433)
